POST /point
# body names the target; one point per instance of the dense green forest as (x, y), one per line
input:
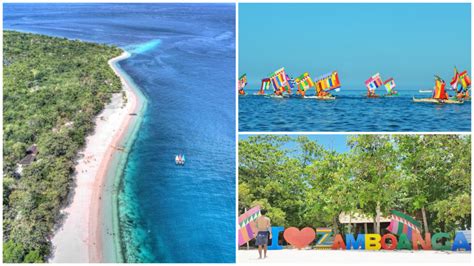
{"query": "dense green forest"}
(52, 90)
(301, 183)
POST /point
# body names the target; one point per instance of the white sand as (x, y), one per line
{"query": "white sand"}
(74, 240)
(318, 257)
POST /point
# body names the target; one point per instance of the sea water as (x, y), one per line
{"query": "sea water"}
(352, 111)
(183, 60)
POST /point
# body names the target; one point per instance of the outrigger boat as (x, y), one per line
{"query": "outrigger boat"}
(440, 96)
(264, 86)
(180, 159)
(390, 85)
(373, 83)
(322, 86)
(325, 84)
(281, 83)
(461, 83)
(303, 83)
(242, 84)
(432, 100)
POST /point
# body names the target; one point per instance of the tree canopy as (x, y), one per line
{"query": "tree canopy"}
(301, 183)
(52, 90)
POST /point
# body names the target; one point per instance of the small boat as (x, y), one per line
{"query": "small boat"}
(372, 84)
(440, 96)
(390, 85)
(180, 159)
(242, 84)
(461, 84)
(281, 82)
(438, 101)
(425, 91)
(374, 96)
(264, 86)
(132, 113)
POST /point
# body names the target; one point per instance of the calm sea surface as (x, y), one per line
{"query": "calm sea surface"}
(183, 59)
(352, 111)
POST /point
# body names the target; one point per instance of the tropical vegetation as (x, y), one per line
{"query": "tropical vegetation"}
(52, 90)
(301, 183)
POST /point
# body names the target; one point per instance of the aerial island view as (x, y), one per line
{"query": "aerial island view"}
(119, 133)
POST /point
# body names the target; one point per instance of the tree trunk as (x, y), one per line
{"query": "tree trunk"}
(350, 223)
(425, 222)
(365, 228)
(334, 224)
(377, 218)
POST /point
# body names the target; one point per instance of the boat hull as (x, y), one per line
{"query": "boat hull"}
(321, 97)
(431, 100)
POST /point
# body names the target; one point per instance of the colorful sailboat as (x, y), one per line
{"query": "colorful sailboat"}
(461, 83)
(390, 86)
(280, 82)
(439, 94)
(303, 83)
(372, 84)
(242, 84)
(264, 86)
(326, 83)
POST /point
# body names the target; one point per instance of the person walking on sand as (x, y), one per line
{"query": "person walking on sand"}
(263, 233)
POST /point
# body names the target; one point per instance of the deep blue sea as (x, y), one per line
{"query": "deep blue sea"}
(183, 58)
(352, 111)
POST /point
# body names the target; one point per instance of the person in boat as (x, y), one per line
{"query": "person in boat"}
(264, 233)
(371, 93)
(278, 93)
(463, 94)
(241, 91)
(301, 92)
(322, 93)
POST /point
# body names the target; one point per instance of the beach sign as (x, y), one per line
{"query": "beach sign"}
(299, 238)
(440, 241)
(247, 227)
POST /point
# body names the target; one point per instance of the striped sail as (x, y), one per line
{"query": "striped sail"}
(389, 84)
(373, 82)
(242, 81)
(304, 82)
(328, 81)
(247, 227)
(439, 91)
(465, 80)
(403, 224)
(280, 80)
(264, 86)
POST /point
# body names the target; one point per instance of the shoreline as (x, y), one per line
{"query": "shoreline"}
(104, 219)
(89, 230)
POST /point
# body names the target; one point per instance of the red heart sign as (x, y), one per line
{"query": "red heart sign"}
(299, 239)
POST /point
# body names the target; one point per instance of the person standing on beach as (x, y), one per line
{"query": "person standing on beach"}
(263, 233)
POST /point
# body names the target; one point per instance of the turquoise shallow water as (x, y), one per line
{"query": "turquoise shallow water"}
(183, 60)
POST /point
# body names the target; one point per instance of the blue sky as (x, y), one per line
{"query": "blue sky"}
(337, 142)
(409, 42)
